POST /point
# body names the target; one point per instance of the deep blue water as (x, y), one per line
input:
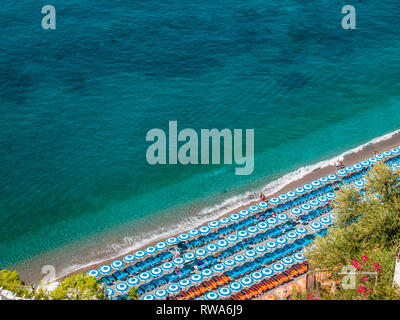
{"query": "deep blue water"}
(76, 104)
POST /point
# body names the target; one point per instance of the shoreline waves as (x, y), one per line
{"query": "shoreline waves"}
(282, 185)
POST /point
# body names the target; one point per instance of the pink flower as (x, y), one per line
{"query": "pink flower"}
(364, 278)
(361, 289)
(364, 258)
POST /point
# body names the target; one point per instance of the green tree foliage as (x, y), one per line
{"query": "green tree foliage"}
(78, 287)
(133, 294)
(10, 280)
(366, 225)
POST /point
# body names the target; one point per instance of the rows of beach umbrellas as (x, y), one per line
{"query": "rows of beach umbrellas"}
(234, 286)
(229, 263)
(231, 239)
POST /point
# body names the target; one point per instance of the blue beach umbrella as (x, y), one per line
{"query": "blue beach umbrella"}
(250, 253)
(189, 256)
(283, 197)
(278, 267)
(315, 225)
(323, 179)
(117, 264)
(207, 273)
(121, 287)
(349, 169)
(325, 220)
(144, 276)
(253, 208)
(184, 283)
(151, 250)
(305, 207)
(204, 230)
(322, 199)
(299, 190)
(372, 160)
(244, 213)
(281, 241)
(133, 281)
(332, 216)
(224, 220)
(257, 275)
(194, 232)
(365, 163)
(173, 288)
(213, 224)
(316, 183)
(200, 252)
(270, 244)
(232, 238)
(267, 272)
(314, 203)
(234, 217)
(140, 254)
(178, 261)
(110, 292)
(287, 261)
(161, 245)
(105, 269)
(167, 265)
(239, 258)
(252, 229)
(301, 230)
(148, 297)
(394, 150)
(282, 217)
(359, 184)
(332, 177)
(331, 195)
(357, 166)
(211, 295)
(308, 187)
(274, 201)
(222, 243)
(183, 237)
(296, 211)
(161, 293)
(291, 235)
(262, 225)
(156, 271)
(246, 281)
(261, 249)
(272, 221)
(219, 267)
(291, 194)
(129, 258)
(341, 172)
(172, 240)
(212, 248)
(235, 286)
(229, 263)
(299, 257)
(224, 292)
(242, 234)
(387, 153)
(195, 278)
(94, 273)
(263, 205)
(379, 156)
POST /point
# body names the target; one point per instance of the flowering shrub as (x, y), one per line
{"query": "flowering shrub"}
(364, 267)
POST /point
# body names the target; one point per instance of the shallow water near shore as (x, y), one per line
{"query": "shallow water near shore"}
(77, 102)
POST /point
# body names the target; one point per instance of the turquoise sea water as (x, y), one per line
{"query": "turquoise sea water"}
(76, 104)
